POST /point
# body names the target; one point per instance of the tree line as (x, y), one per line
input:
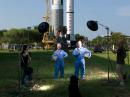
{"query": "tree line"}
(24, 36)
(111, 40)
(20, 36)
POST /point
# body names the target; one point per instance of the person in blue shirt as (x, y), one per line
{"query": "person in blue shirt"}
(80, 52)
(59, 56)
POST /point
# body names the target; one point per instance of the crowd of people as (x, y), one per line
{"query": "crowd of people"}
(79, 53)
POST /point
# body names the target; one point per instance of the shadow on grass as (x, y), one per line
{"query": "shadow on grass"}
(93, 88)
(100, 62)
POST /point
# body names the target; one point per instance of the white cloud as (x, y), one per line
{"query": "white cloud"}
(124, 11)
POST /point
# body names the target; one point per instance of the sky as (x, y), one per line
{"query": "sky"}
(114, 14)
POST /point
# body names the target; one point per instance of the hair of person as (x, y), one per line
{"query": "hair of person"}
(73, 80)
(79, 43)
(25, 47)
(58, 44)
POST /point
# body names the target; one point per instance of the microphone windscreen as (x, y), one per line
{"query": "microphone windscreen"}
(92, 25)
(43, 27)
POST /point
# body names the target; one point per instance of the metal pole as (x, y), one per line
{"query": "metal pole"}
(108, 52)
(19, 74)
(108, 57)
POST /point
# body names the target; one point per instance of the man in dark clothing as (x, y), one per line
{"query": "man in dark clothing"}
(121, 55)
(60, 38)
(26, 70)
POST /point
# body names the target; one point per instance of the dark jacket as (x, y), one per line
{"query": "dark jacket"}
(121, 55)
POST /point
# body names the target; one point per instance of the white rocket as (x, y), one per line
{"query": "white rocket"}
(57, 14)
(70, 18)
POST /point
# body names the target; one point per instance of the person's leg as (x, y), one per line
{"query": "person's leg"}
(23, 75)
(119, 70)
(30, 77)
(76, 69)
(30, 72)
(82, 68)
(56, 71)
(62, 70)
(30, 80)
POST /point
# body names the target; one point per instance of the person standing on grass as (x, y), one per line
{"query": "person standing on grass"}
(80, 52)
(59, 55)
(120, 60)
(25, 57)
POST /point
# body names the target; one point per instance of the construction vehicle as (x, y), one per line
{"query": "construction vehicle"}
(48, 39)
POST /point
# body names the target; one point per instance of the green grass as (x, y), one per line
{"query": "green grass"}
(93, 86)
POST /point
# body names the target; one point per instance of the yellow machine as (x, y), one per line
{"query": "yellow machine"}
(48, 39)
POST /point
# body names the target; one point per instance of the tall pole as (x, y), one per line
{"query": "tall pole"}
(108, 56)
(70, 18)
(108, 52)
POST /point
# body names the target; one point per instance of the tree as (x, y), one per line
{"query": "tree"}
(79, 37)
(2, 35)
(1, 32)
(35, 36)
(98, 40)
(109, 41)
(117, 36)
(22, 36)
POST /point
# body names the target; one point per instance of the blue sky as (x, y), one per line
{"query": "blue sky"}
(112, 13)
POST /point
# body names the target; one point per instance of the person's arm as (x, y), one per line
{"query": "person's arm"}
(87, 53)
(21, 58)
(114, 51)
(76, 52)
(29, 54)
(55, 53)
(65, 54)
(124, 53)
(54, 56)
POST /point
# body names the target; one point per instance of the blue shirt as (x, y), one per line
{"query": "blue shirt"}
(60, 54)
(81, 52)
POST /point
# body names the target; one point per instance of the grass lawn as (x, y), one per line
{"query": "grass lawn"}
(95, 84)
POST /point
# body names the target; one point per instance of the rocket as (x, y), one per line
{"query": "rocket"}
(70, 19)
(57, 15)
